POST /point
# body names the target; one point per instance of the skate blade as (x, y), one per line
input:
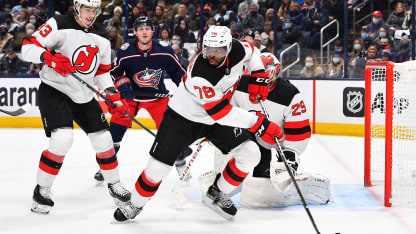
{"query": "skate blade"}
(40, 209)
(120, 203)
(208, 202)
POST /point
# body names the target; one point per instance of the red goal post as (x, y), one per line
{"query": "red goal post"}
(390, 130)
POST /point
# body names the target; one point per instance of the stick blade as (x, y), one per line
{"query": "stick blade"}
(26, 107)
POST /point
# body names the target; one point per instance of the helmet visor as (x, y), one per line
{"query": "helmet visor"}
(218, 52)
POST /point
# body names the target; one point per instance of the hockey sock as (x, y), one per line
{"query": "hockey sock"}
(49, 166)
(109, 165)
(231, 177)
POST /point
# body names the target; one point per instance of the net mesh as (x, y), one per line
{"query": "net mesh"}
(404, 127)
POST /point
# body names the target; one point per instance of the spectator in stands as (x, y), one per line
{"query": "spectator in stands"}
(11, 64)
(359, 69)
(23, 4)
(158, 15)
(267, 29)
(177, 40)
(117, 21)
(339, 46)
(358, 49)
(182, 61)
(386, 43)
(295, 15)
(12, 27)
(232, 5)
(109, 8)
(164, 38)
(311, 69)
(386, 55)
(375, 25)
(365, 37)
(284, 9)
(396, 18)
(142, 9)
(116, 40)
(270, 43)
(190, 7)
(383, 33)
(33, 20)
(21, 19)
(314, 20)
(196, 20)
(185, 32)
(225, 16)
(291, 33)
(258, 43)
(404, 51)
(133, 16)
(5, 38)
(235, 31)
(182, 15)
(335, 69)
(20, 36)
(244, 8)
(253, 20)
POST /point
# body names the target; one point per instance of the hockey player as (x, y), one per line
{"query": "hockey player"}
(270, 184)
(138, 74)
(74, 44)
(200, 108)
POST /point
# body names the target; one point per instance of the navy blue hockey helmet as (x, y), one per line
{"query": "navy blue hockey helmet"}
(143, 21)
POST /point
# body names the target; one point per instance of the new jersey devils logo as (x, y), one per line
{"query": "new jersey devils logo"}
(148, 78)
(85, 59)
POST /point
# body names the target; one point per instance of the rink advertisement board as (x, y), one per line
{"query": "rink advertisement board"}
(335, 106)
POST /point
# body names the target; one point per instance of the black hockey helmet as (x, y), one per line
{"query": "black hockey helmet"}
(143, 21)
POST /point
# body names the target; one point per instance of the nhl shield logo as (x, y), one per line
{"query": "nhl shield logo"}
(353, 102)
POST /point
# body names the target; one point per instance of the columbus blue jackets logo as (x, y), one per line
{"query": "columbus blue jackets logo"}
(148, 78)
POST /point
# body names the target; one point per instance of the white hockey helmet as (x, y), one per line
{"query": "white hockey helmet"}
(90, 3)
(217, 36)
(272, 67)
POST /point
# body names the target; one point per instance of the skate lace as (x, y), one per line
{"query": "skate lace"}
(226, 201)
(130, 211)
(118, 189)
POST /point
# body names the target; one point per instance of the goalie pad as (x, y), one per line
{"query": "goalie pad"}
(260, 192)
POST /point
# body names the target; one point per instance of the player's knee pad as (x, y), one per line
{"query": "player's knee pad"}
(156, 170)
(61, 141)
(101, 141)
(247, 155)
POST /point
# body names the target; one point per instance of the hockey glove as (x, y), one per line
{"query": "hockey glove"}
(265, 131)
(59, 62)
(258, 86)
(121, 106)
(123, 85)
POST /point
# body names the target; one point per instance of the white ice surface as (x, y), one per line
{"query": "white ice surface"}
(81, 207)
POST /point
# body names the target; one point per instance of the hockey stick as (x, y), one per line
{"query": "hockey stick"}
(23, 109)
(111, 103)
(158, 95)
(282, 156)
(176, 190)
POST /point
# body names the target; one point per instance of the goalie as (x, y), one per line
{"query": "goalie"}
(270, 185)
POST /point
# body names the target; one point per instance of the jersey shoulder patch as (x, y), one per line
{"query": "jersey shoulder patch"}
(124, 46)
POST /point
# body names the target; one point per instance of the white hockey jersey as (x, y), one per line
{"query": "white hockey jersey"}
(88, 50)
(286, 108)
(204, 94)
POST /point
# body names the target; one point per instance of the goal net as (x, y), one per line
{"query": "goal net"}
(390, 131)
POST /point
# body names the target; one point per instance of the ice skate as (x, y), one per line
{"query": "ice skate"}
(99, 178)
(219, 202)
(180, 165)
(127, 212)
(120, 195)
(42, 201)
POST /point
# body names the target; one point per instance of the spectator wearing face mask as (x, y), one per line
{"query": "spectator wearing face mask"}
(296, 15)
(335, 69)
(5, 38)
(29, 30)
(365, 36)
(185, 32)
(383, 32)
(376, 22)
(253, 20)
(177, 40)
(384, 43)
(182, 61)
(359, 69)
(244, 8)
(404, 50)
(33, 20)
(291, 33)
(225, 16)
(311, 69)
(235, 31)
(11, 26)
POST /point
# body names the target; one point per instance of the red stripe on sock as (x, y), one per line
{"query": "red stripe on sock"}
(48, 169)
(107, 154)
(236, 171)
(109, 166)
(53, 157)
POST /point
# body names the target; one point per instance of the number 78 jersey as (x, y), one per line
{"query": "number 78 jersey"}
(205, 93)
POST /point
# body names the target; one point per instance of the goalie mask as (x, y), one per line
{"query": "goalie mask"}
(91, 3)
(272, 67)
(217, 42)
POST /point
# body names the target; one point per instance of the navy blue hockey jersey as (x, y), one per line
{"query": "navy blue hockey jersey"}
(145, 68)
